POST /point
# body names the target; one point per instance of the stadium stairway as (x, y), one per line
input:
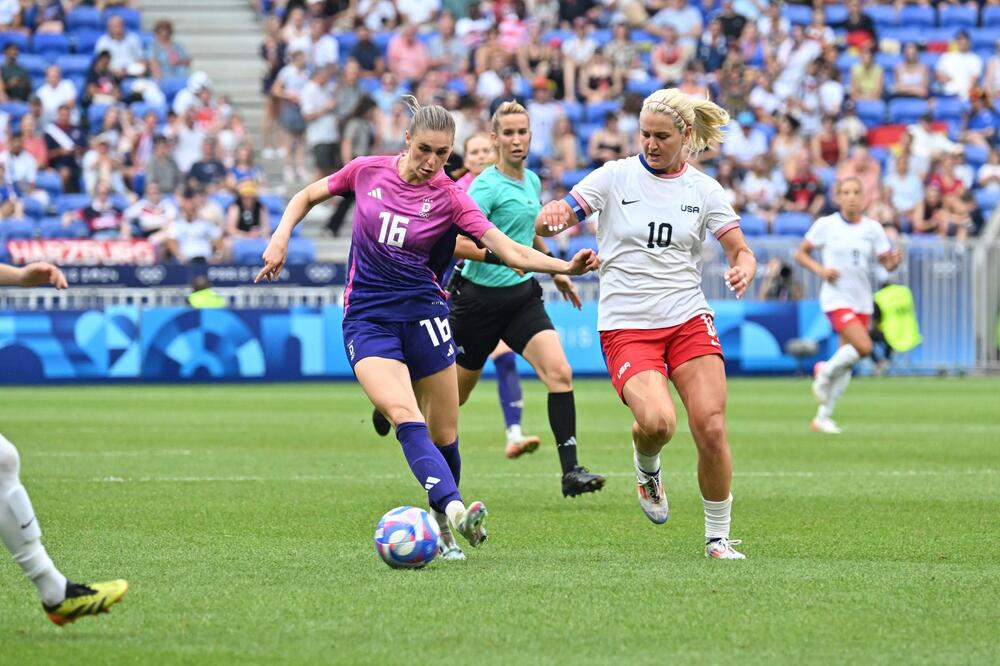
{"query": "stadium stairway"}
(223, 38)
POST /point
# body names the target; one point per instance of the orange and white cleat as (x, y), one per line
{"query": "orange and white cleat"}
(722, 549)
(518, 447)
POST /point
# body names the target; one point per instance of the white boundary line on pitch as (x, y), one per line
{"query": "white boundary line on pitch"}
(341, 477)
(111, 454)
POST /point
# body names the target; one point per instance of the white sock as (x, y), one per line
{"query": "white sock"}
(514, 433)
(837, 387)
(845, 357)
(824, 412)
(20, 533)
(717, 518)
(455, 510)
(648, 464)
(442, 522)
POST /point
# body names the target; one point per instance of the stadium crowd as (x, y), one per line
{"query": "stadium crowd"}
(109, 132)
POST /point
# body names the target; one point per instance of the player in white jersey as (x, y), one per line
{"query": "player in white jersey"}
(655, 212)
(64, 601)
(850, 243)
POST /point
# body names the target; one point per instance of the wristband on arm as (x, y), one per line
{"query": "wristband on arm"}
(491, 258)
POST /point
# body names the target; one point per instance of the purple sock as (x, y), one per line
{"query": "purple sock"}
(427, 464)
(454, 460)
(509, 388)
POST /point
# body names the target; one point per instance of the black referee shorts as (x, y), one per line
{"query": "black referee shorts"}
(483, 316)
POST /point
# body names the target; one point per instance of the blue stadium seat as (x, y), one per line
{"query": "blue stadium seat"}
(84, 40)
(930, 59)
(140, 109)
(382, 39)
(584, 131)
(991, 16)
(976, 156)
(797, 14)
(907, 111)
(644, 38)
(95, 114)
(369, 84)
(274, 203)
(903, 35)
(15, 110)
(596, 111)
(845, 61)
(146, 38)
(644, 88)
(457, 85)
(223, 199)
(33, 208)
(52, 227)
(984, 37)
(13, 37)
(171, 87)
(884, 16)
(74, 64)
(561, 35)
(751, 225)
(346, 41)
(940, 35)
(957, 16)
(835, 14)
(871, 111)
(131, 17)
(84, 17)
(918, 15)
(300, 251)
(50, 182)
(573, 111)
(35, 64)
(14, 229)
(888, 60)
(948, 108)
(51, 45)
(792, 224)
(987, 200)
(247, 251)
(602, 36)
(70, 202)
(571, 178)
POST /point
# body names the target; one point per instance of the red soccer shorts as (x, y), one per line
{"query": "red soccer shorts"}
(844, 317)
(629, 351)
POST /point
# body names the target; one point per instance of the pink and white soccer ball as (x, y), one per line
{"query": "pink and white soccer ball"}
(407, 538)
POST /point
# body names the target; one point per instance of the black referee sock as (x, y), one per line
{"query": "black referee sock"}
(562, 420)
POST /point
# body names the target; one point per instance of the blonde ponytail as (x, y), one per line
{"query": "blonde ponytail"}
(702, 117)
(434, 118)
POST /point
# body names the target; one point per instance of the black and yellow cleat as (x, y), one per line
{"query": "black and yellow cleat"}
(83, 600)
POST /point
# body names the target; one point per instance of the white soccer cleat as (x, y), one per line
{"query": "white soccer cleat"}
(652, 496)
(821, 383)
(471, 524)
(448, 549)
(827, 426)
(722, 549)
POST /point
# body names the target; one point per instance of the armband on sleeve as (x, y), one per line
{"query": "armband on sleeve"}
(577, 207)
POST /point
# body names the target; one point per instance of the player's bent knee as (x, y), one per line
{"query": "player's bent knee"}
(658, 425)
(710, 432)
(864, 349)
(10, 462)
(557, 377)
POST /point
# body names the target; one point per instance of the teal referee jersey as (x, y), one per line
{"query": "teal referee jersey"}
(512, 206)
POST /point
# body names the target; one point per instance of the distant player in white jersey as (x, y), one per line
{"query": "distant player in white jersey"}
(63, 600)
(655, 212)
(850, 244)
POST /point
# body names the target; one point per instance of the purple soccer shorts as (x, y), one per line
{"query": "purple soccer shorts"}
(424, 346)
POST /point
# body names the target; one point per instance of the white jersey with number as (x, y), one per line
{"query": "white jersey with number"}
(649, 237)
(852, 250)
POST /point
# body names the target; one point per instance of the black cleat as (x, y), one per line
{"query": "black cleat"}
(579, 481)
(382, 425)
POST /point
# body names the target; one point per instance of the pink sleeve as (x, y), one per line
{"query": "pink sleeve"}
(342, 182)
(467, 216)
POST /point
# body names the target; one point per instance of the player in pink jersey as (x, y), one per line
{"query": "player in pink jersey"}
(655, 212)
(850, 243)
(64, 601)
(396, 331)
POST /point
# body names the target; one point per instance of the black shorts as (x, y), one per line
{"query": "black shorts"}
(483, 316)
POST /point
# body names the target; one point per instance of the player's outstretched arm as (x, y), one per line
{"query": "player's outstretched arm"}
(555, 217)
(891, 259)
(33, 275)
(742, 262)
(277, 250)
(526, 258)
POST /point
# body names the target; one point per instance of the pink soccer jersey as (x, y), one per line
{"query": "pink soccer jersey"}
(403, 239)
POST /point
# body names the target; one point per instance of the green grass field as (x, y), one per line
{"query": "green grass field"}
(243, 518)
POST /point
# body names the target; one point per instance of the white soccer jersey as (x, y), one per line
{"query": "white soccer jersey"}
(852, 250)
(649, 237)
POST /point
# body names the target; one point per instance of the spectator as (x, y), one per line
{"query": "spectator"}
(745, 144)
(473, 26)
(512, 29)
(151, 217)
(168, 59)
(407, 56)
(608, 143)
(805, 191)
(391, 127)
(105, 219)
(348, 93)
(683, 19)
(958, 70)
(51, 16)
(295, 32)
(192, 239)
(828, 147)
(693, 82)
(729, 180)
(101, 164)
(867, 77)
(621, 50)
(850, 124)
(243, 167)
(193, 95)
(510, 92)
(797, 53)
(188, 139)
(162, 168)
(16, 81)
(859, 27)
(862, 165)
(763, 188)
(64, 141)
(357, 138)
(669, 58)
(565, 154)
(599, 81)
(446, 50)
(322, 135)
(11, 206)
(272, 51)
(378, 14)
(991, 79)
(34, 142)
(55, 92)
(818, 30)
(830, 91)
(980, 121)
(913, 77)
(124, 47)
(754, 50)
(102, 85)
(906, 190)
(288, 88)
(247, 217)
(762, 100)
(732, 22)
(322, 49)
(712, 47)
(779, 283)
(576, 51)
(988, 176)
(934, 215)
(141, 142)
(543, 112)
(209, 173)
(20, 166)
(418, 12)
(388, 93)
(366, 53)
(772, 25)
(946, 180)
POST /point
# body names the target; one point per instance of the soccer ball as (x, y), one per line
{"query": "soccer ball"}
(407, 538)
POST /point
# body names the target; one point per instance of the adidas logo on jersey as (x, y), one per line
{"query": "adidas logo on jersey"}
(376, 193)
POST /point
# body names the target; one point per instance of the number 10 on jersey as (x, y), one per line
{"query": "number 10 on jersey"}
(393, 230)
(664, 228)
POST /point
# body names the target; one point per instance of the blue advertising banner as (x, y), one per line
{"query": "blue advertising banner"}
(182, 344)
